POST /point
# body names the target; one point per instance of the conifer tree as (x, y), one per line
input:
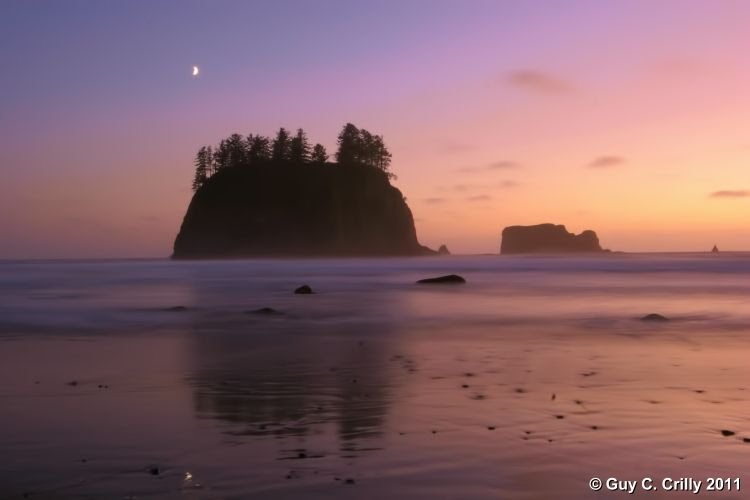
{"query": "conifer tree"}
(281, 144)
(259, 149)
(319, 155)
(201, 168)
(349, 146)
(299, 147)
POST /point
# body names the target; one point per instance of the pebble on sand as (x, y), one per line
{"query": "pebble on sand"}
(447, 279)
(176, 309)
(154, 471)
(727, 433)
(303, 290)
(654, 317)
(265, 310)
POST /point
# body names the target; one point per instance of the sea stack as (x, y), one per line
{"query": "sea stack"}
(715, 249)
(290, 209)
(547, 238)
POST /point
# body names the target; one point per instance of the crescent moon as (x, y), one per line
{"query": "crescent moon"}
(195, 70)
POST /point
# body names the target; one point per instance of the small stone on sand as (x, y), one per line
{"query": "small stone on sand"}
(303, 290)
(447, 279)
(264, 310)
(654, 317)
(727, 433)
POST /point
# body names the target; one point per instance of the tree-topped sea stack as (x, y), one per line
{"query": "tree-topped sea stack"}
(260, 197)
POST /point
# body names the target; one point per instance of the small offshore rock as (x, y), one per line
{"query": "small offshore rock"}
(654, 317)
(265, 310)
(448, 279)
(443, 250)
(303, 290)
(176, 309)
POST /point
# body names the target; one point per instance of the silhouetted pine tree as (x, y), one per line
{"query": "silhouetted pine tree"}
(349, 144)
(299, 147)
(382, 157)
(258, 149)
(201, 168)
(221, 156)
(236, 150)
(281, 145)
(319, 155)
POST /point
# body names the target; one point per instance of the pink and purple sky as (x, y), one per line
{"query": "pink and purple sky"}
(627, 117)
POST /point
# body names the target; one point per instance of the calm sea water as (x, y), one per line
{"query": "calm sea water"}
(524, 383)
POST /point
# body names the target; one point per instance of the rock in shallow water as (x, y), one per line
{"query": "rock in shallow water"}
(303, 290)
(447, 279)
(265, 310)
(654, 317)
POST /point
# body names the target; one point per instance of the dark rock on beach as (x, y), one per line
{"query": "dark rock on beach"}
(303, 290)
(176, 309)
(654, 317)
(447, 279)
(547, 238)
(265, 310)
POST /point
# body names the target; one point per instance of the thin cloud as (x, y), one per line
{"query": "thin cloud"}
(481, 197)
(607, 161)
(435, 201)
(731, 193)
(502, 164)
(538, 82)
(498, 165)
(455, 147)
(507, 184)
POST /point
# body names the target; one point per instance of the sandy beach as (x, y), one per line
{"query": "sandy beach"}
(528, 381)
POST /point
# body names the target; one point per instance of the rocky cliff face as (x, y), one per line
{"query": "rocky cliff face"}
(547, 238)
(297, 210)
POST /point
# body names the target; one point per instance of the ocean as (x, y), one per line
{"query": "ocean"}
(161, 379)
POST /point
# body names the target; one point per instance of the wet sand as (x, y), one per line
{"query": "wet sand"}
(372, 388)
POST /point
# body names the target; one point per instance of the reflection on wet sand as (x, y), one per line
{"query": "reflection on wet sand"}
(295, 379)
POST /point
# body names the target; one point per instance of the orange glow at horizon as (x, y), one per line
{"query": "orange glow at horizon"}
(628, 118)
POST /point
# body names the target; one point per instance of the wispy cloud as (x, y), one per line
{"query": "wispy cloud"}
(502, 164)
(606, 161)
(731, 193)
(455, 147)
(497, 165)
(435, 201)
(507, 184)
(481, 197)
(539, 82)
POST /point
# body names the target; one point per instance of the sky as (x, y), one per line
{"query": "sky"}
(628, 117)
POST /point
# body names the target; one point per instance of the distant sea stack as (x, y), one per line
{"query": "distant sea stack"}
(297, 210)
(715, 249)
(547, 238)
